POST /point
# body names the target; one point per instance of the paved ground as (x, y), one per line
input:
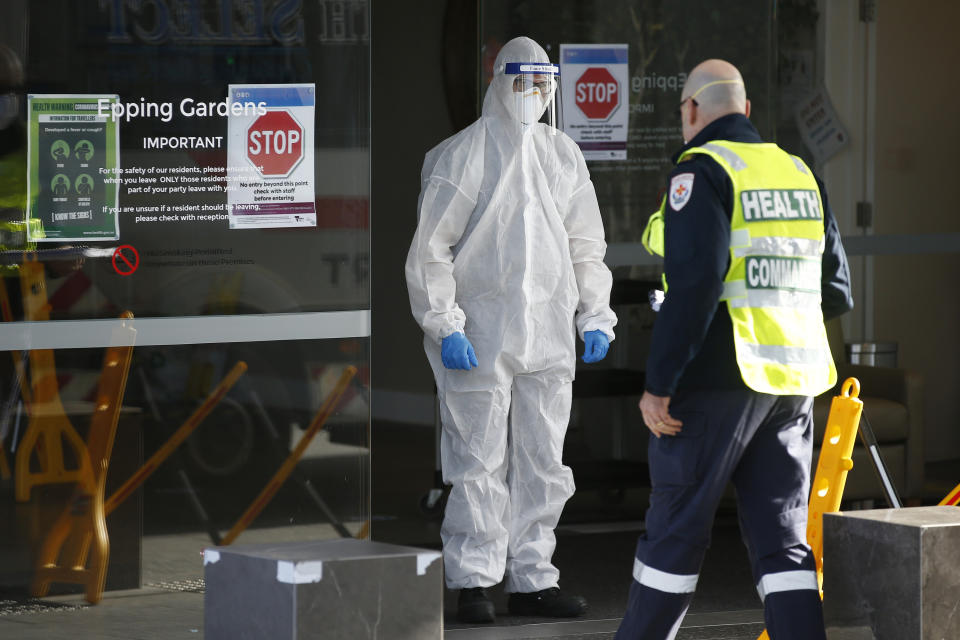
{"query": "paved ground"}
(593, 558)
(595, 545)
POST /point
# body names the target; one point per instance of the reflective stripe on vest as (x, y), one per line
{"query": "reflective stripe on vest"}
(743, 245)
(734, 161)
(738, 296)
(772, 287)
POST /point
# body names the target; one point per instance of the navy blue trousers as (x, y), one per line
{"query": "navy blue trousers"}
(763, 444)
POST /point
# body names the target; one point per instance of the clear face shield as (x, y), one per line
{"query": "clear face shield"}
(536, 93)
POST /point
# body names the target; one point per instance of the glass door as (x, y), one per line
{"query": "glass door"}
(184, 237)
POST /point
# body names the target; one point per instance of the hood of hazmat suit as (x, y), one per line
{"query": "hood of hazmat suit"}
(509, 249)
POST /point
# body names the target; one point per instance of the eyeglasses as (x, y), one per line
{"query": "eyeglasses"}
(680, 106)
(522, 84)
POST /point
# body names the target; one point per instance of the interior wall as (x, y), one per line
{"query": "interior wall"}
(916, 296)
(409, 117)
(899, 130)
(843, 60)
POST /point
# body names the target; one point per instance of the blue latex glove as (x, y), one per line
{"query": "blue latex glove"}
(457, 352)
(596, 344)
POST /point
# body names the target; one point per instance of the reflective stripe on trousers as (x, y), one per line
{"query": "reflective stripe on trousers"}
(663, 581)
(787, 581)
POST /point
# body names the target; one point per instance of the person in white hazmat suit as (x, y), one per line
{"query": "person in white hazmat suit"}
(506, 266)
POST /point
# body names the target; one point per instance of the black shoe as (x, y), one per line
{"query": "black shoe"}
(474, 605)
(548, 603)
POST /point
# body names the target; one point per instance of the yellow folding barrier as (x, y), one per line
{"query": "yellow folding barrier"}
(177, 438)
(834, 464)
(7, 314)
(832, 467)
(288, 465)
(77, 548)
(49, 428)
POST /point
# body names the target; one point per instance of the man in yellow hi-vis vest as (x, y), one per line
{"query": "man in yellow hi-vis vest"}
(753, 264)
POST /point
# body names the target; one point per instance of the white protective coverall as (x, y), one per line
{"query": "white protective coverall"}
(509, 249)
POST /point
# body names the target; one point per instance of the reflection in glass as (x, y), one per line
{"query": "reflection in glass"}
(243, 405)
(665, 40)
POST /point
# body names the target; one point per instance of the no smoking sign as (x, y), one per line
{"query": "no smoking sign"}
(125, 260)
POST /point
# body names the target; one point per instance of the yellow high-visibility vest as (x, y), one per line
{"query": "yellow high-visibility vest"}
(652, 238)
(772, 288)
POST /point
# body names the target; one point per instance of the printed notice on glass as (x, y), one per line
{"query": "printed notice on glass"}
(73, 180)
(596, 95)
(270, 157)
(820, 126)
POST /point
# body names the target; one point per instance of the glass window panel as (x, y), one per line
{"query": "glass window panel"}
(665, 39)
(169, 62)
(289, 302)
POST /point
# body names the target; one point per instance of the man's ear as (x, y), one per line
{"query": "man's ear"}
(692, 113)
(747, 109)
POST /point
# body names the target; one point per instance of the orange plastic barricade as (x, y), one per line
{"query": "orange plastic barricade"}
(953, 498)
(288, 465)
(832, 467)
(177, 438)
(79, 538)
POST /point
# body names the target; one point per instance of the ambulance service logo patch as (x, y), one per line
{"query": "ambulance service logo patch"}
(680, 189)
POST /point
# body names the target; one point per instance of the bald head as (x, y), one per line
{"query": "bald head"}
(714, 88)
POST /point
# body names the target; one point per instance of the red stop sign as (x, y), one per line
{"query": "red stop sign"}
(275, 144)
(597, 93)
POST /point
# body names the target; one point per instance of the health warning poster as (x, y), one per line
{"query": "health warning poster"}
(270, 157)
(74, 155)
(596, 96)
